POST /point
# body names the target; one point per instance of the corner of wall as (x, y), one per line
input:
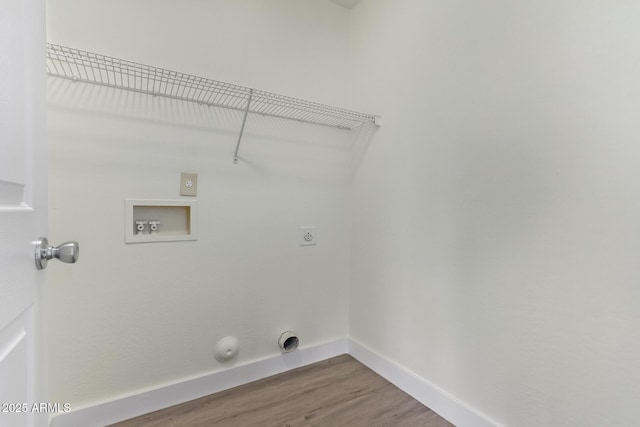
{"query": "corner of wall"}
(430, 395)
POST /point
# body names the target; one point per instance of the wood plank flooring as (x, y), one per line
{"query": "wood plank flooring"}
(335, 392)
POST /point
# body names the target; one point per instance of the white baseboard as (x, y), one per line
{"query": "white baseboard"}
(133, 405)
(438, 400)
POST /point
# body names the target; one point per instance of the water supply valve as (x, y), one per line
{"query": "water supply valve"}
(154, 226)
(140, 226)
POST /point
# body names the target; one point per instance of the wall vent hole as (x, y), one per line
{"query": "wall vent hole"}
(290, 344)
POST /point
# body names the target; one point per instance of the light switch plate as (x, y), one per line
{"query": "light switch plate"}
(188, 184)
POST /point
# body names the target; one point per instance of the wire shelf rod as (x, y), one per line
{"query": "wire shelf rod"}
(244, 121)
(88, 67)
(94, 68)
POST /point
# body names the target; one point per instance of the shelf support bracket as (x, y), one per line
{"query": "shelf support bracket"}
(244, 121)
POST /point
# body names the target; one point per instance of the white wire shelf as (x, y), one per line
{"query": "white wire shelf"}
(82, 66)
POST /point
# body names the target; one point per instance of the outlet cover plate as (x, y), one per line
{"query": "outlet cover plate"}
(308, 235)
(188, 184)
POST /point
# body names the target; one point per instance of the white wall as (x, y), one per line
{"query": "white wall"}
(493, 218)
(130, 317)
(496, 240)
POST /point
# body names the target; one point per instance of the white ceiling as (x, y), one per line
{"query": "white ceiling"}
(349, 4)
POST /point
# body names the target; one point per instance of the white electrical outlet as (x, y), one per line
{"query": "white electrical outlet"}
(308, 235)
(188, 184)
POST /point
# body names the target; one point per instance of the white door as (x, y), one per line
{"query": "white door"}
(23, 210)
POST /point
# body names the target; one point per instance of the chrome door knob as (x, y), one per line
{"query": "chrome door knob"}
(67, 252)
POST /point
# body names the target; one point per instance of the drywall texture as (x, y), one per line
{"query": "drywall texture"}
(495, 215)
(494, 231)
(131, 317)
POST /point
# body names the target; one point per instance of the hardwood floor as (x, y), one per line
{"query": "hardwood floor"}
(335, 392)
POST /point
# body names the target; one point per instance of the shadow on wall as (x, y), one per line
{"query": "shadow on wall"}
(361, 138)
(99, 100)
(266, 140)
